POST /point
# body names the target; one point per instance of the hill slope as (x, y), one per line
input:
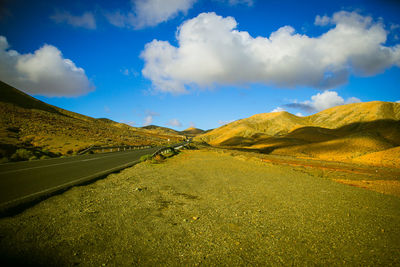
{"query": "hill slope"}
(191, 131)
(26, 122)
(343, 133)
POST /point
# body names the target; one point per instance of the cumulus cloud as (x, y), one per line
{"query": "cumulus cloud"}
(211, 50)
(299, 114)
(322, 101)
(174, 123)
(398, 101)
(45, 72)
(86, 20)
(147, 13)
(278, 109)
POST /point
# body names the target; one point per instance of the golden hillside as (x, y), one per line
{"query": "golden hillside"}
(160, 130)
(26, 122)
(192, 131)
(357, 112)
(343, 133)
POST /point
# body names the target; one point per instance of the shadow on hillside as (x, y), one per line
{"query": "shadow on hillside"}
(385, 132)
(13, 96)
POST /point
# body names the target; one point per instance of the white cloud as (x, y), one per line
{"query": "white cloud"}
(147, 13)
(225, 122)
(130, 123)
(45, 72)
(322, 21)
(299, 114)
(398, 101)
(148, 119)
(174, 123)
(278, 109)
(212, 51)
(86, 20)
(129, 72)
(239, 2)
(322, 101)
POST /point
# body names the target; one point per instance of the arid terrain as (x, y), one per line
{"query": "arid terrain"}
(360, 133)
(42, 129)
(212, 207)
(272, 189)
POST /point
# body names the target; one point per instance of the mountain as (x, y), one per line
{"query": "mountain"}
(29, 123)
(343, 133)
(160, 130)
(191, 131)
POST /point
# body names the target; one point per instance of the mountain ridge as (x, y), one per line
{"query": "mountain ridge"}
(29, 123)
(341, 133)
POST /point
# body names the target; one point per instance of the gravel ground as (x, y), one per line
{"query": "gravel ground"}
(207, 208)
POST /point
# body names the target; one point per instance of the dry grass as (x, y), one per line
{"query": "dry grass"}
(192, 131)
(26, 122)
(388, 158)
(212, 209)
(343, 133)
(388, 187)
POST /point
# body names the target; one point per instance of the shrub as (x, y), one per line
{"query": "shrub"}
(145, 158)
(158, 158)
(21, 154)
(4, 160)
(44, 157)
(33, 158)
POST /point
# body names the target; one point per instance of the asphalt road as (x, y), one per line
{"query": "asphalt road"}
(22, 182)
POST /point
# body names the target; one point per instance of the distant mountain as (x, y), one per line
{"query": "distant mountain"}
(343, 133)
(160, 130)
(192, 131)
(27, 122)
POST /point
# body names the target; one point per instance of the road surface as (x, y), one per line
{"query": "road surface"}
(24, 182)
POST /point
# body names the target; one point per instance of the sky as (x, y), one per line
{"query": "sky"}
(200, 63)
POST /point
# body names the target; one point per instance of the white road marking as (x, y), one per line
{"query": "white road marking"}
(71, 183)
(56, 164)
(92, 159)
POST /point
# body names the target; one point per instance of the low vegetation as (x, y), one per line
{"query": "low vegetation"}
(27, 123)
(145, 158)
(216, 207)
(362, 133)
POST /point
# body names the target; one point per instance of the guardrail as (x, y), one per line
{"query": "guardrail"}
(124, 148)
(112, 148)
(169, 148)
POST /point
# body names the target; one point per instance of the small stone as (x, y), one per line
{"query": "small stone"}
(194, 218)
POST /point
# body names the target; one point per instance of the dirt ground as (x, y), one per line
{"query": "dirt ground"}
(208, 208)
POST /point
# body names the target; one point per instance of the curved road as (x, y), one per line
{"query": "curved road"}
(24, 182)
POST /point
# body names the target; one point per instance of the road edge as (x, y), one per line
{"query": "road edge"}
(16, 206)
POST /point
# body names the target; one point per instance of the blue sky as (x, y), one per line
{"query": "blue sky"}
(202, 63)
